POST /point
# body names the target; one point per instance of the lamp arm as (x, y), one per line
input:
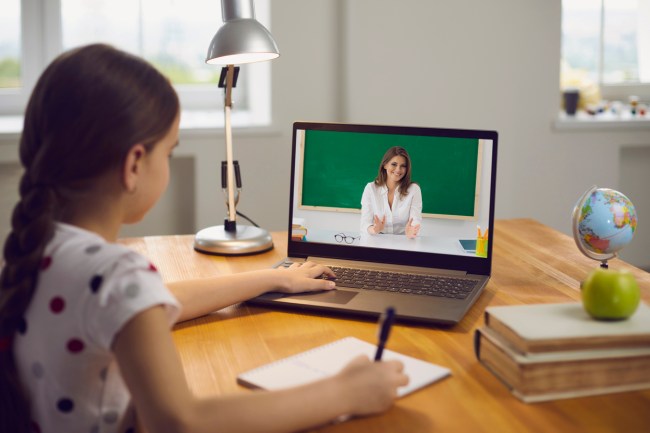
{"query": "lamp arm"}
(232, 212)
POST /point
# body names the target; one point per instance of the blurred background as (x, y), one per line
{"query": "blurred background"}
(500, 65)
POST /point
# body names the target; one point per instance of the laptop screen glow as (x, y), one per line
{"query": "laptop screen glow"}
(335, 188)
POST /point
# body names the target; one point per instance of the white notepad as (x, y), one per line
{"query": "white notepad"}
(329, 359)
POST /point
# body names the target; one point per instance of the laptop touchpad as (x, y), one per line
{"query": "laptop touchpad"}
(328, 296)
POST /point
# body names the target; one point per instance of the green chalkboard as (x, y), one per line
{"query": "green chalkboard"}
(338, 165)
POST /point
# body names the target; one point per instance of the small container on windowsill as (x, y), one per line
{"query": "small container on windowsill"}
(571, 98)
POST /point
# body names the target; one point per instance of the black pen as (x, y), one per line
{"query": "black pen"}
(385, 322)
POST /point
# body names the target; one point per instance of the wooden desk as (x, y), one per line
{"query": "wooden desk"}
(532, 264)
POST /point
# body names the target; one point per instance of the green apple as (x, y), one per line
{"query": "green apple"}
(610, 295)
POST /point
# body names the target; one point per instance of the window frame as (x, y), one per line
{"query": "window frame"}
(623, 90)
(620, 91)
(41, 42)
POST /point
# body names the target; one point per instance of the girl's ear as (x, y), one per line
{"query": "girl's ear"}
(132, 168)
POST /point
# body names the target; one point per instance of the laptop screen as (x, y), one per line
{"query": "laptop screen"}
(390, 194)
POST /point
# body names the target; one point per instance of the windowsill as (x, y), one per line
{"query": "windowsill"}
(584, 121)
(10, 126)
(193, 123)
(208, 122)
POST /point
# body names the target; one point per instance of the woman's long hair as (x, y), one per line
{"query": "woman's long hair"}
(405, 182)
(89, 107)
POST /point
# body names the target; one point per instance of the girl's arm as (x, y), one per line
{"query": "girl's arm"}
(152, 371)
(205, 295)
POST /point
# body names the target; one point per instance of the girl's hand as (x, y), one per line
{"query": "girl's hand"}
(306, 277)
(371, 387)
(412, 230)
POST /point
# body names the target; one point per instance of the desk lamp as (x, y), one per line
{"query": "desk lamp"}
(241, 39)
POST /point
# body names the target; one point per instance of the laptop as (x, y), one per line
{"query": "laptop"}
(455, 170)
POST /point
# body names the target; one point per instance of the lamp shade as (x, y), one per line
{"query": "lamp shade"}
(241, 39)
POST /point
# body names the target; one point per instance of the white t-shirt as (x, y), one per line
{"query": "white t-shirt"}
(87, 291)
(375, 202)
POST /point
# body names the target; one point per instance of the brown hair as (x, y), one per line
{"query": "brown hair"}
(89, 107)
(392, 152)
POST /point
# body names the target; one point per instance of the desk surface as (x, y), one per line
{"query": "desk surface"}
(532, 264)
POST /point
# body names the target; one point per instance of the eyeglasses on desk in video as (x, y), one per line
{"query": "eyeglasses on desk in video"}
(342, 237)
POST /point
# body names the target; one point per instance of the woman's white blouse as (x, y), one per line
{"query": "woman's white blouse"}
(375, 202)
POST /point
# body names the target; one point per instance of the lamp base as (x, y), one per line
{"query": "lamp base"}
(242, 241)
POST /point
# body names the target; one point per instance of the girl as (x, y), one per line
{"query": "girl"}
(84, 322)
(392, 203)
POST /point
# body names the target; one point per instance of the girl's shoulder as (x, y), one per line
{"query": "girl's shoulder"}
(79, 248)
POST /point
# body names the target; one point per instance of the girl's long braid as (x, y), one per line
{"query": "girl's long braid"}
(88, 108)
(32, 224)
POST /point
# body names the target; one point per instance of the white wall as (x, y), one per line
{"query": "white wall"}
(488, 65)
(635, 183)
(470, 64)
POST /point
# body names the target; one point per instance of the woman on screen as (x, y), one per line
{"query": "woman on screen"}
(392, 203)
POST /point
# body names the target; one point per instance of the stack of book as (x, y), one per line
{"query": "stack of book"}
(551, 351)
(298, 232)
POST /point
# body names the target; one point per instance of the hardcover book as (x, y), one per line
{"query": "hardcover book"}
(561, 327)
(551, 351)
(542, 376)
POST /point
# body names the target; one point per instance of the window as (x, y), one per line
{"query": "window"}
(607, 43)
(173, 35)
(10, 45)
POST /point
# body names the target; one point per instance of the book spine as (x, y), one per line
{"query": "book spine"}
(514, 339)
(487, 361)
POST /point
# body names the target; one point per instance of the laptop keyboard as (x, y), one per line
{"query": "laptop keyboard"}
(428, 285)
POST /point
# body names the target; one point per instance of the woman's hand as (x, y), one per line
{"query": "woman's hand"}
(412, 230)
(378, 225)
(306, 277)
(371, 387)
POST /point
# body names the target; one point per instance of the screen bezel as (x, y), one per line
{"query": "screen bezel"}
(473, 265)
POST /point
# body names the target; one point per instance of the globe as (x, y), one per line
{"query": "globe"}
(604, 221)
